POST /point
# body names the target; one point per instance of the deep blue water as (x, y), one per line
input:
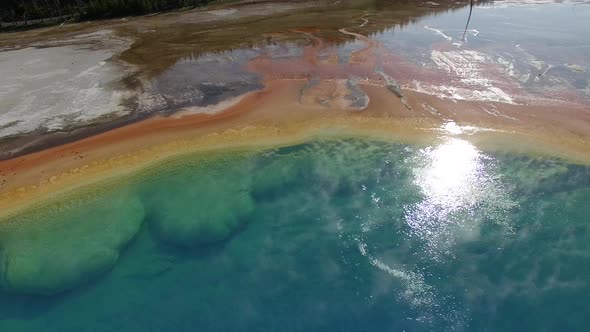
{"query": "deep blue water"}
(343, 235)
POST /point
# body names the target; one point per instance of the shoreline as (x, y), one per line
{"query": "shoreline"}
(270, 118)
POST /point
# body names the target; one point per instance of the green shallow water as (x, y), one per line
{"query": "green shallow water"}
(339, 235)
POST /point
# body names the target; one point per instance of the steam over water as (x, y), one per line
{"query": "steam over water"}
(333, 235)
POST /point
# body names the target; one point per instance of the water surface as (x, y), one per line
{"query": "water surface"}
(332, 235)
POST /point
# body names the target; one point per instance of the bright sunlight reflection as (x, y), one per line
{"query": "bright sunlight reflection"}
(451, 176)
(453, 181)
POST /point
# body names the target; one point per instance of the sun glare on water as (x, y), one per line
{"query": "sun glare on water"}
(454, 183)
(452, 174)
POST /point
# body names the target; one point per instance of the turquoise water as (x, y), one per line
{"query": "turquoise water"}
(341, 235)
